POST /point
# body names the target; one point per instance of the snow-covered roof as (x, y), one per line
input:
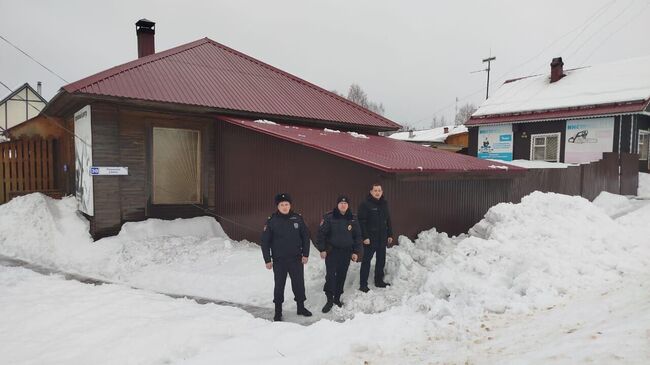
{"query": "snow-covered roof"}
(617, 82)
(430, 135)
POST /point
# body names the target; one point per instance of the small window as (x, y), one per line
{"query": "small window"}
(545, 147)
(176, 166)
(644, 145)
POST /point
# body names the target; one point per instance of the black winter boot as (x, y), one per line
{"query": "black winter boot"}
(302, 310)
(337, 301)
(278, 312)
(328, 306)
(381, 284)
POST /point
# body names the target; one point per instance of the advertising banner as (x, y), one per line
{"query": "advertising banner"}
(495, 142)
(587, 139)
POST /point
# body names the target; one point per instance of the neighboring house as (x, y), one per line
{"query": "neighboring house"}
(22, 104)
(202, 129)
(450, 138)
(568, 116)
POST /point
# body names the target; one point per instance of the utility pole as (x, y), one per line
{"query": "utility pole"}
(489, 64)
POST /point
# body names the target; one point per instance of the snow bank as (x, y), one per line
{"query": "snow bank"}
(152, 228)
(519, 258)
(644, 185)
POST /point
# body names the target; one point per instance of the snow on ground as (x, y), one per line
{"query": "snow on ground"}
(644, 185)
(528, 164)
(505, 275)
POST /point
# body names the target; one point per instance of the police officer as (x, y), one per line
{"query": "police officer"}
(377, 232)
(339, 241)
(285, 248)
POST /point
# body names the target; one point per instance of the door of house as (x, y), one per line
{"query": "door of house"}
(545, 147)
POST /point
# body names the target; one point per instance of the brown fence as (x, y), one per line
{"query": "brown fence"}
(587, 180)
(27, 166)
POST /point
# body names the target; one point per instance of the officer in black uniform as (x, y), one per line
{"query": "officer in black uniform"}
(339, 240)
(377, 232)
(285, 247)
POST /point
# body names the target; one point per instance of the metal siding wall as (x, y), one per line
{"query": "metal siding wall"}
(253, 167)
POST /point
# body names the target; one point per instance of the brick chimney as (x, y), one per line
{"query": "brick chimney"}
(145, 30)
(557, 69)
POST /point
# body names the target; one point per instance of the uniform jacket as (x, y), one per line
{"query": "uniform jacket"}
(339, 231)
(285, 235)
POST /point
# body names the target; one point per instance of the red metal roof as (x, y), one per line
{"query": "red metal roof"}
(385, 154)
(207, 73)
(560, 114)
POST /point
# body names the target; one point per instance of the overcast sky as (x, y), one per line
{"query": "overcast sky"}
(413, 56)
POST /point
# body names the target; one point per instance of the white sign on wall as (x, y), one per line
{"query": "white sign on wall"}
(109, 171)
(495, 142)
(83, 153)
(587, 139)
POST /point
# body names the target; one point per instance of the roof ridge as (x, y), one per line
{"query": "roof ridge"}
(300, 80)
(130, 65)
(21, 87)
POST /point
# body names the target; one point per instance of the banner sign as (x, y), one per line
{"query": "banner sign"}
(587, 139)
(83, 153)
(495, 142)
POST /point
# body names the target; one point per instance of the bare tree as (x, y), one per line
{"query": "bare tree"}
(464, 113)
(438, 121)
(359, 97)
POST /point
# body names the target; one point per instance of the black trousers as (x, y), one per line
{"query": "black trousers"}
(294, 267)
(368, 252)
(337, 263)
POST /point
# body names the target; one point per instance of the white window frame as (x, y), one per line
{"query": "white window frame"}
(638, 148)
(532, 144)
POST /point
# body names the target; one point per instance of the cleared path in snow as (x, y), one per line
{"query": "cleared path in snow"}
(259, 312)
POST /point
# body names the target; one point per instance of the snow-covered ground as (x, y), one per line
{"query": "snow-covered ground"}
(554, 279)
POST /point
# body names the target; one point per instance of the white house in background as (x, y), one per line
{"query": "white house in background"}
(20, 105)
(571, 116)
(452, 137)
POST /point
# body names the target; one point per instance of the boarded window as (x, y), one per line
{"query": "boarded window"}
(545, 147)
(176, 166)
(644, 144)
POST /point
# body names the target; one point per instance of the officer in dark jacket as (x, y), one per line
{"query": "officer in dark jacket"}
(285, 247)
(377, 232)
(339, 241)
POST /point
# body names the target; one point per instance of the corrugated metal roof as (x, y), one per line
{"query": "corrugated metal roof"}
(207, 73)
(382, 153)
(599, 110)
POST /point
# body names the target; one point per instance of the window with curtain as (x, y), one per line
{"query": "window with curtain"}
(545, 147)
(176, 166)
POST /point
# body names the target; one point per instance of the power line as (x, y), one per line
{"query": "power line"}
(46, 116)
(33, 59)
(625, 25)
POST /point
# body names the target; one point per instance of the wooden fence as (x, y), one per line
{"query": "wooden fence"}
(26, 166)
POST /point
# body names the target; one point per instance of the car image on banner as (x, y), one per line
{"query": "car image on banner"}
(495, 142)
(587, 139)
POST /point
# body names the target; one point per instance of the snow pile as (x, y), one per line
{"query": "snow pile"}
(42, 230)
(358, 135)
(519, 258)
(152, 228)
(644, 185)
(264, 121)
(331, 130)
(536, 164)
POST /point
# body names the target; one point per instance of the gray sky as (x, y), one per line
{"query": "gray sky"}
(413, 56)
